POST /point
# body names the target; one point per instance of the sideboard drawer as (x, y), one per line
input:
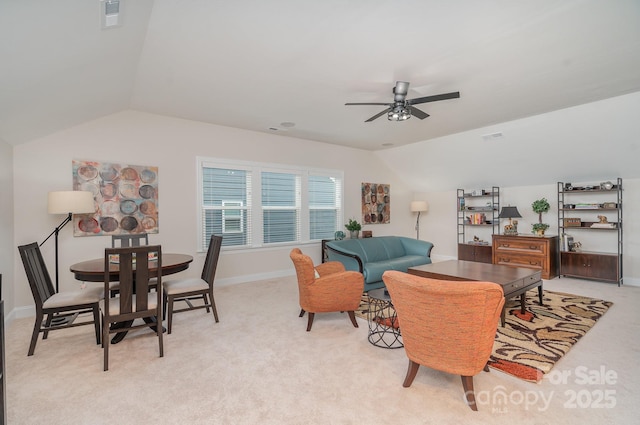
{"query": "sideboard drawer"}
(509, 259)
(529, 246)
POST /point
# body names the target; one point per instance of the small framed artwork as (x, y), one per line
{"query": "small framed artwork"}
(376, 203)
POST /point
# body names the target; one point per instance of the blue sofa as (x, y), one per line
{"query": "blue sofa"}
(374, 256)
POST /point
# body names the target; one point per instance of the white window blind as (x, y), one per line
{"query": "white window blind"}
(226, 202)
(290, 204)
(325, 206)
(281, 201)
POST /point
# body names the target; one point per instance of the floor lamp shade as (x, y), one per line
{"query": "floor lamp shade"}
(71, 201)
(419, 206)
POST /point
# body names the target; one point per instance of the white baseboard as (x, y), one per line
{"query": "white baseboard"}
(253, 277)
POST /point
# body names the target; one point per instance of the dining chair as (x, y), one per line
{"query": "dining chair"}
(189, 289)
(327, 287)
(128, 240)
(125, 241)
(134, 300)
(61, 309)
(445, 325)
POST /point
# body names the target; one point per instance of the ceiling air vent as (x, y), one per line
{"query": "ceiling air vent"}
(110, 16)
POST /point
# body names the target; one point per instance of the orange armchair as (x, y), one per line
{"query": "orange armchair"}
(447, 326)
(333, 290)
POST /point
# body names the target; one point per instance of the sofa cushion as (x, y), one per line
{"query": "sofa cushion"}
(393, 246)
(373, 271)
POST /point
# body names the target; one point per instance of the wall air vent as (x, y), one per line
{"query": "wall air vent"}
(110, 13)
(492, 136)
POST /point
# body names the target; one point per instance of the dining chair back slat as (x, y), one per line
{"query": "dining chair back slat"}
(126, 241)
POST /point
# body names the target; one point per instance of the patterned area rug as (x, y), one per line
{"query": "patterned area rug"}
(531, 343)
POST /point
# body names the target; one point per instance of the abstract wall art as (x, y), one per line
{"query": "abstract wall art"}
(376, 203)
(126, 198)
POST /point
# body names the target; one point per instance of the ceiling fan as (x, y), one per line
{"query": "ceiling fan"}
(401, 108)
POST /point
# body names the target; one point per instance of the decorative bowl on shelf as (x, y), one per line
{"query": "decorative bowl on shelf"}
(606, 185)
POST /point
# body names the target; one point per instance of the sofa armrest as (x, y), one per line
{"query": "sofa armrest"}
(417, 247)
(349, 259)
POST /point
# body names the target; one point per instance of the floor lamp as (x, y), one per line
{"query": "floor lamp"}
(418, 206)
(67, 202)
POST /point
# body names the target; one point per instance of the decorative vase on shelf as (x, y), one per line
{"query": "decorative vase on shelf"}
(354, 234)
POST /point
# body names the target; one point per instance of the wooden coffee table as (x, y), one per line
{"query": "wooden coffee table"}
(514, 280)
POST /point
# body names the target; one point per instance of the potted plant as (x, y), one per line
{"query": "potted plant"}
(540, 206)
(353, 227)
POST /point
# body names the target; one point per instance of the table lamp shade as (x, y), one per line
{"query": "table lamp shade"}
(509, 212)
(72, 201)
(419, 206)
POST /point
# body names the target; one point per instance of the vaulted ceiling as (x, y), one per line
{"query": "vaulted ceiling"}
(289, 66)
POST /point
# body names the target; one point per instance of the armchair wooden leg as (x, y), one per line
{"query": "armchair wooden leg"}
(411, 373)
(352, 316)
(301, 312)
(310, 321)
(469, 394)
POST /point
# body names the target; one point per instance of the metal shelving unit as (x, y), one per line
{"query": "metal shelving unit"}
(477, 210)
(590, 202)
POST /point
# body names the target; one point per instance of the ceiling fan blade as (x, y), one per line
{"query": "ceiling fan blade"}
(378, 115)
(384, 104)
(444, 96)
(417, 112)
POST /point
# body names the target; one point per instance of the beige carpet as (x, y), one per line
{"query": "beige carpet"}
(259, 366)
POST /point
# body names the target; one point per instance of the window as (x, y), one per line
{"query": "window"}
(232, 218)
(287, 204)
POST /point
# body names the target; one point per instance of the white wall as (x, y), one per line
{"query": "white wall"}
(592, 142)
(173, 145)
(8, 250)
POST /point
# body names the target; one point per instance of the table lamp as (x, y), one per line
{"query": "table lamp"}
(67, 202)
(510, 212)
(418, 206)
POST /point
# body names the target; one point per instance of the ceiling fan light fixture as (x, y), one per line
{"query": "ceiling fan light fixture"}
(399, 113)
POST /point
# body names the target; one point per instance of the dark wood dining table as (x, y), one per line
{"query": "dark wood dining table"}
(93, 271)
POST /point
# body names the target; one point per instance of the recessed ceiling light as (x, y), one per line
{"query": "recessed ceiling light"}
(288, 124)
(387, 144)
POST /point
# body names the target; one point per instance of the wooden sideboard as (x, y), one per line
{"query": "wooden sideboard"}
(477, 253)
(534, 252)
